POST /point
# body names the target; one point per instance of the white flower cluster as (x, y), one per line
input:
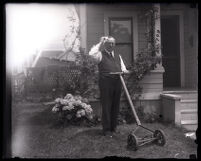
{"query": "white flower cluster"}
(77, 103)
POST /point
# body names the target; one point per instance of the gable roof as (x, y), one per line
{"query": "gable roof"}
(54, 54)
(51, 53)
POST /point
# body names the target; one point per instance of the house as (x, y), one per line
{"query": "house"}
(170, 89)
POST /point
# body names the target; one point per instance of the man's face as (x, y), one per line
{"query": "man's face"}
(109, 45)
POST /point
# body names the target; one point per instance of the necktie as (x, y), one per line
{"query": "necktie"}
(111, 55)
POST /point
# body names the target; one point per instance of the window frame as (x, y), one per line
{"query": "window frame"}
(132, 35)
(125, 14)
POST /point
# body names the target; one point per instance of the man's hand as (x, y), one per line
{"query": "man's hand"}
(101, 43)
(126, 71)
(103, 39)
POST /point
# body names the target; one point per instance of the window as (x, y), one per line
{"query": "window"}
(122, 30)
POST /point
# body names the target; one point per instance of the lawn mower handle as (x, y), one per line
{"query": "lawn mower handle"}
(127, 95)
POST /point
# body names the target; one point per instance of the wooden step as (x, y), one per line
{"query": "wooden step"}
(190, 125)
(189, 122)
(189, 101)
(185, 94)
(189, 111)
(188, 95)
(189, 114)
(189, 104)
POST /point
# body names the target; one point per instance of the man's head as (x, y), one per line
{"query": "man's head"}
(109, 43)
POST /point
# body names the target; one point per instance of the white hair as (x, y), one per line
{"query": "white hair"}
(107, 39)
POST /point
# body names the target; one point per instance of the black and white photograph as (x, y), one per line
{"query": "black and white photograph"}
(102, 80)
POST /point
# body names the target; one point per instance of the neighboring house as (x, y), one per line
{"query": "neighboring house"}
(52, 57)
(170, 89)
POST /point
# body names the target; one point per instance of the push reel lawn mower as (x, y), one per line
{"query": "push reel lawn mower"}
(134, 142)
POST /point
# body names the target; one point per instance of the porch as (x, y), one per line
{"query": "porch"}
(180, 106)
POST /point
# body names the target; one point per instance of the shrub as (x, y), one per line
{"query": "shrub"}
(73, 109)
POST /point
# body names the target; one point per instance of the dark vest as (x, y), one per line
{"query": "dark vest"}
(109, 64)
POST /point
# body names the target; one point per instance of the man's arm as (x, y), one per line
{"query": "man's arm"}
(96, 53)
(123, 67)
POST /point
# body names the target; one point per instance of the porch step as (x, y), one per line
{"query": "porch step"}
(188, 104)
(190, 125)
(189, 114)
(185, 94)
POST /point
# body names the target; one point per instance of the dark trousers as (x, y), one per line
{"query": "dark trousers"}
(110, 93)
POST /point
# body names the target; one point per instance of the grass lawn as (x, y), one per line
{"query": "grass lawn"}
(34, 135)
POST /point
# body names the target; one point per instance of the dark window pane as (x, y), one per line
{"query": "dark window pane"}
(121, 30)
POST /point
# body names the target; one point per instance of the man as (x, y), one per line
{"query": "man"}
(109, 85)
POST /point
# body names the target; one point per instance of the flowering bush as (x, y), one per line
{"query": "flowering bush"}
(73, 109)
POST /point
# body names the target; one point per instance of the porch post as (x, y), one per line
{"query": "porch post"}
(157, 31)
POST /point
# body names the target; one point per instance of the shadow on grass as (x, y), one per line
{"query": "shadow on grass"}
(44, 117)
(52, 120)
(93, 132)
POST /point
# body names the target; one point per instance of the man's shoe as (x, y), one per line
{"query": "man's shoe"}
(107, 133)
(116, 131)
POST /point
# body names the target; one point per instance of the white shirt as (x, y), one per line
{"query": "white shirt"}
(97, 55)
